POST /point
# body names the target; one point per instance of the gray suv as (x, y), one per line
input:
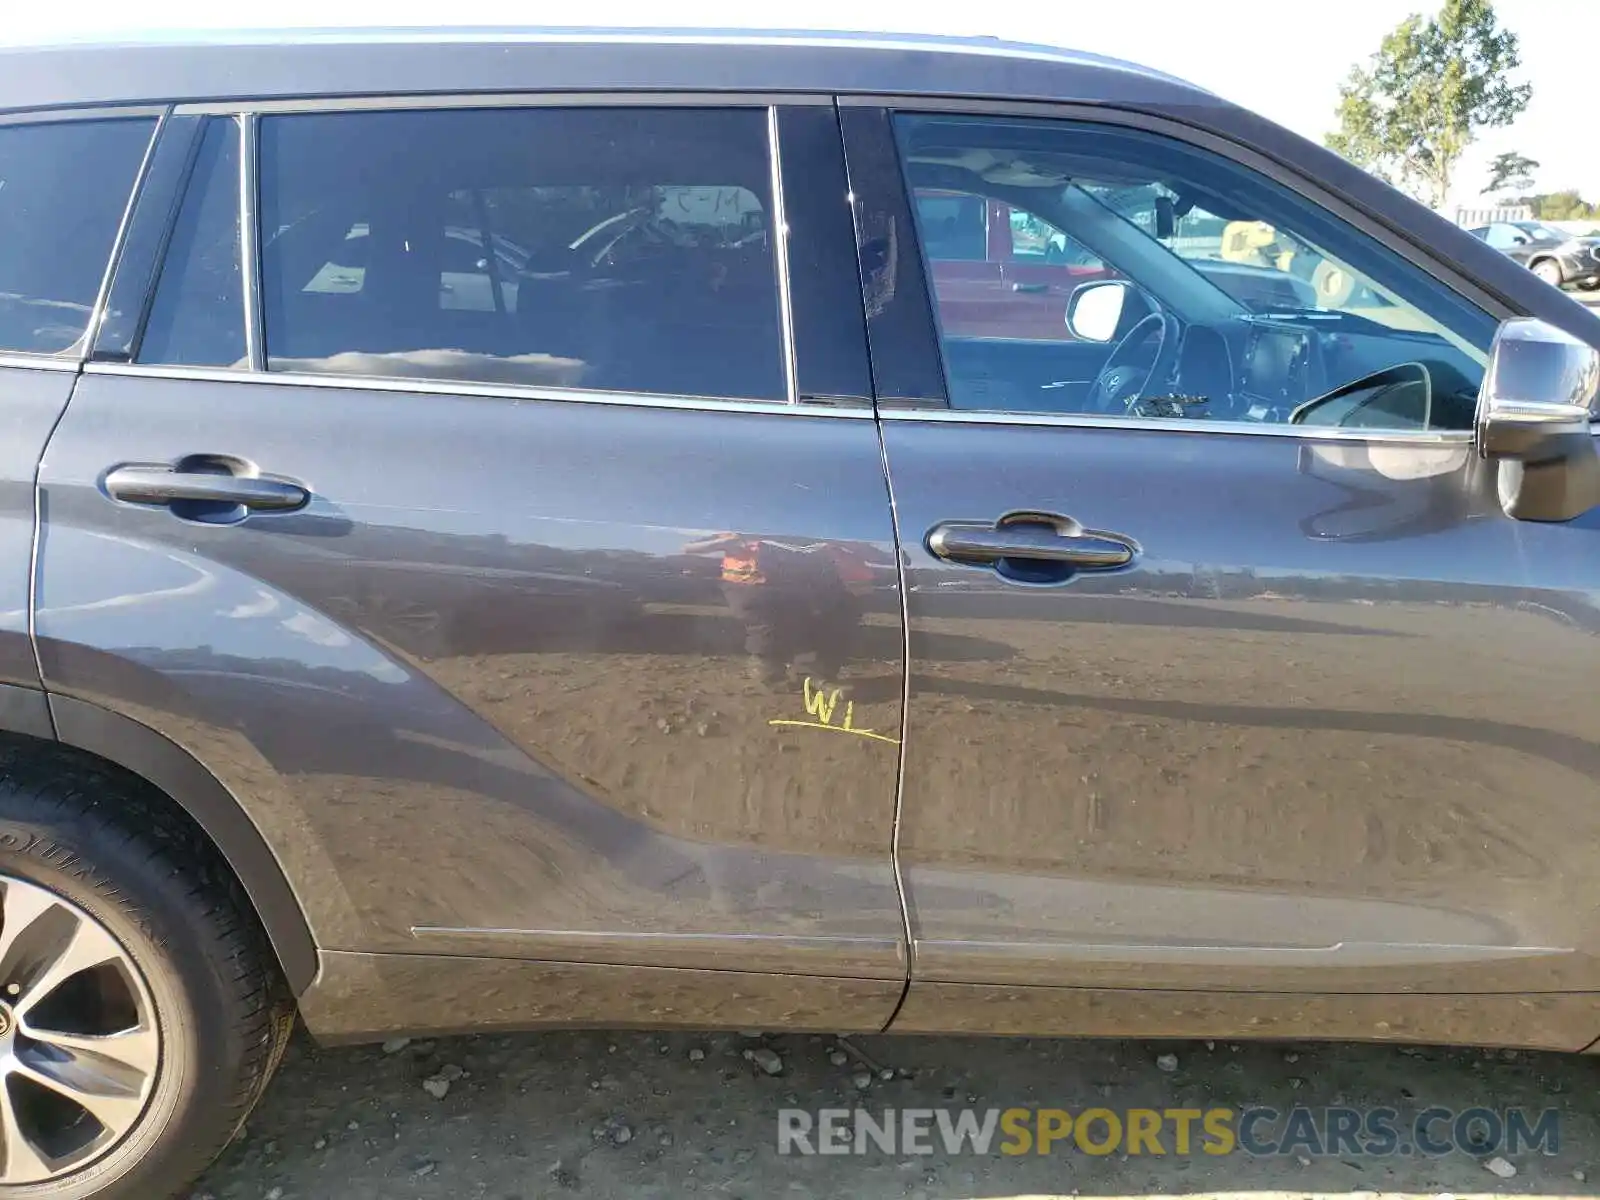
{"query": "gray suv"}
(512, 531)
(1551, 253)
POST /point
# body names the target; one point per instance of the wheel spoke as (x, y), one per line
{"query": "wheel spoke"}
(131, 1052)
(21, 906)
(107, 1097)
(24, 1161)
(87, 946)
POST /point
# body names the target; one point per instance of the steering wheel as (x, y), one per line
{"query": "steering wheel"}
(1121, 381)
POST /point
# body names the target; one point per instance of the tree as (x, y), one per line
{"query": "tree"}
(1420, 101)
(1560, 206)
(1510, 170)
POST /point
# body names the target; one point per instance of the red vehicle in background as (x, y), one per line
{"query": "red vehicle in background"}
(1000, 271)
(1004, 272)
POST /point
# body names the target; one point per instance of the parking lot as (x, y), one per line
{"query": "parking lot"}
(647, 1115)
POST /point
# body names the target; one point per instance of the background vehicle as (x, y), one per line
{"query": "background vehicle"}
(1004, 268)
(1554, 255)
(449, 579)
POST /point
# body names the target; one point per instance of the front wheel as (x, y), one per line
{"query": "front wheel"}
(140, 1012)
(1588, 285)
(1549, 270)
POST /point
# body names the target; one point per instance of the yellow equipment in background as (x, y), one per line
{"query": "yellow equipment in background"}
(1256, 243)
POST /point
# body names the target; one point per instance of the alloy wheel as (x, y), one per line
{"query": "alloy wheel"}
(79, 1044)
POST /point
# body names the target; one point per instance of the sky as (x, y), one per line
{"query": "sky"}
(1284, 60)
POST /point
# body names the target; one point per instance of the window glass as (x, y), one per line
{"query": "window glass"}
(1035, 240)
(1164, 281)
(608, 248)
(954, 225)
(63, 189)
(1501, 237)
(197, 317)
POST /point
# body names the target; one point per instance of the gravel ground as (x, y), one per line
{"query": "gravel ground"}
(647, 1115)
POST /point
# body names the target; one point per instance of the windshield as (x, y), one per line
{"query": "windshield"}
(1263, 266)
(1545, 233)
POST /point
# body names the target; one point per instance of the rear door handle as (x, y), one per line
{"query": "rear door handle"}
(1031, 537)
(163, 485)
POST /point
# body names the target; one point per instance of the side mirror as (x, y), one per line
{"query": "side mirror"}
(1533, 417)
(1094, 310)
(1519, 239)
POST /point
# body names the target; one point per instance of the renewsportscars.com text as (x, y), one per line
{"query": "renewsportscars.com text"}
(1255, 1130)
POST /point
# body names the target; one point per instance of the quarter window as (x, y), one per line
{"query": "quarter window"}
(1163, 281)
(63, 189)
(627, 250)
(197, 317)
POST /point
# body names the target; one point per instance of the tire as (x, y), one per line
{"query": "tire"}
(195, 967)
(1588, 285)
(1549, 270)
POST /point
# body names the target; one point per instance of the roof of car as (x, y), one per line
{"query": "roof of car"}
(290, 64)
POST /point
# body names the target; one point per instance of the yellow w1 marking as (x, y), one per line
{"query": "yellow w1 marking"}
(822, 705)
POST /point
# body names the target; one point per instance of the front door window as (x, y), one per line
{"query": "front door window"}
(1245, 302)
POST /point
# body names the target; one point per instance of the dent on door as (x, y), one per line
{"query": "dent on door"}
(1329, 732)
(516, 700)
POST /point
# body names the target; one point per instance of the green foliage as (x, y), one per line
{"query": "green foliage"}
(1560, 206)
(1420, 101)
(1510, 170)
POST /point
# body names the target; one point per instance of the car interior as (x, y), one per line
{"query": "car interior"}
(1185, 345)
(608, 271)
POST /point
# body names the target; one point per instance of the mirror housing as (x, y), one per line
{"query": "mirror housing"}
(1094, 310)
(1533, 418)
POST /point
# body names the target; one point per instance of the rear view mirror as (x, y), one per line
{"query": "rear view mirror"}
(1166, 219)
(1533, 417)
(1094, 310)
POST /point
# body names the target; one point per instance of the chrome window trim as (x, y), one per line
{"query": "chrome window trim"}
(1435, 437)
(1280, 172)
(643, 98)
(447, 389)
(779, 224)
(249, 246)
(84, 346)
(105, 112)
(13, 360)
(255, 327)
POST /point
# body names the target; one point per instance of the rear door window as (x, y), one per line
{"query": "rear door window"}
(63, 189)
(617, 249)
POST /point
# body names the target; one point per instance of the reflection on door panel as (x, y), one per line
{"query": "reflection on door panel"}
(1302, 745)
(1327, 729)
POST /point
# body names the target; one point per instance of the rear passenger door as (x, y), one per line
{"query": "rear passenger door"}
(487, 510)
(64, 187)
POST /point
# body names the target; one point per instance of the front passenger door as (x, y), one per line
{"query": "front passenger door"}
(1205, 697)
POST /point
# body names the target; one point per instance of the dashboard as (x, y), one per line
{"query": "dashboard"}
(1262, 368)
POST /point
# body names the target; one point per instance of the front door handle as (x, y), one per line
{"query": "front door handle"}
(164, 485)
(1031, 537)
